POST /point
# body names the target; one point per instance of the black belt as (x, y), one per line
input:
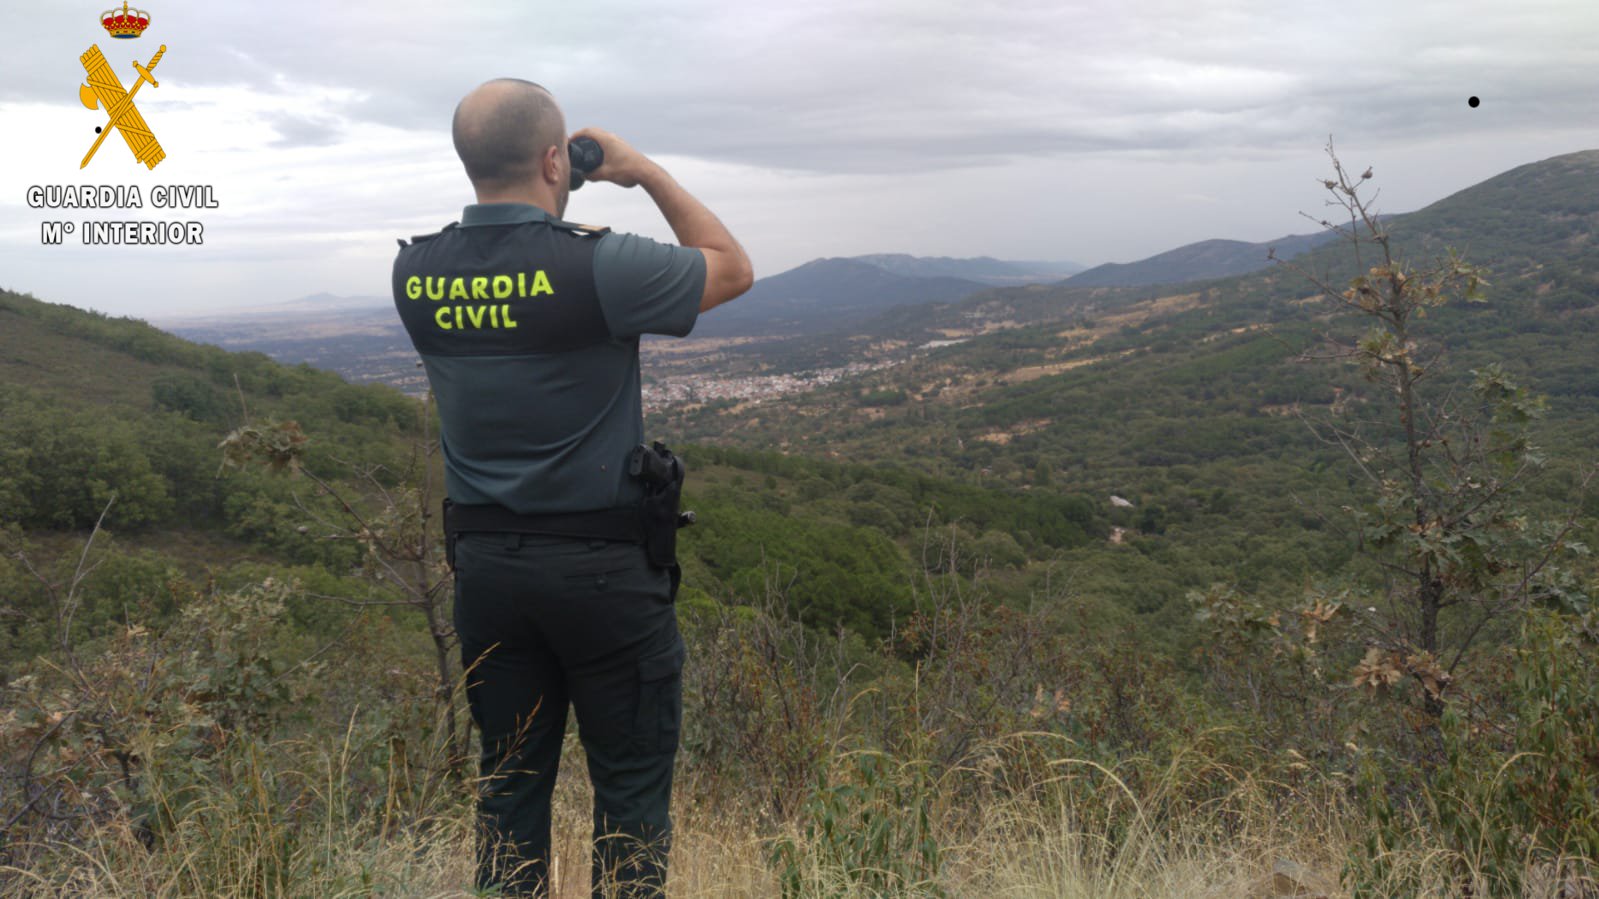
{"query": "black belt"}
(622, 524)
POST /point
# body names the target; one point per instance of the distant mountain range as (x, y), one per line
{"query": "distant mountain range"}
(1200, 261)
(825, 294)
(832, 294)
(986, 269)
(1530, 225)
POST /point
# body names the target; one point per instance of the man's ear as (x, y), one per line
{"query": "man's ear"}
(550, 166)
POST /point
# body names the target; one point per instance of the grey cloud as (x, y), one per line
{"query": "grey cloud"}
(304, 131)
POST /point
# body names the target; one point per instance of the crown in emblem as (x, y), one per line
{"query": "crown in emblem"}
(125, 22)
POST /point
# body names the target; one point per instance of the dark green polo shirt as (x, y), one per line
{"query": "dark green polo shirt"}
(541, 431)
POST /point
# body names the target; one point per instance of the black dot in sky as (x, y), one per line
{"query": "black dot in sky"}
(97, 127)
(1473, 102)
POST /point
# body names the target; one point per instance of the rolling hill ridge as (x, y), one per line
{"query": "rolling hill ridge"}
(1200, 261)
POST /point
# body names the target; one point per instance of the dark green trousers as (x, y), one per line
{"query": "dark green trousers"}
(550, 622)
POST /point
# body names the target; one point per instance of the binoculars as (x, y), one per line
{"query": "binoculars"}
(586, 156)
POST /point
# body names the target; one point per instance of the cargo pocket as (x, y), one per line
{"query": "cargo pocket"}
(659, 716)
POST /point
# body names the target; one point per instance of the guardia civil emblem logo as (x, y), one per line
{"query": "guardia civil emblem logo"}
(104, 90)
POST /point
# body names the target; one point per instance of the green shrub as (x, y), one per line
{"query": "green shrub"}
(1518, 791)
(866, 831)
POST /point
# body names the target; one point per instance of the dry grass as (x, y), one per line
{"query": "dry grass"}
(1024, 819)
(1023, 847)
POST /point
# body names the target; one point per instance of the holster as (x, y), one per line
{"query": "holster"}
(662, 475)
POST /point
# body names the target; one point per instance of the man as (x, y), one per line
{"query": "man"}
(529, 328)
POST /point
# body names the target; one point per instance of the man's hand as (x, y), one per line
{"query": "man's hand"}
(623, 166)
(728, 272)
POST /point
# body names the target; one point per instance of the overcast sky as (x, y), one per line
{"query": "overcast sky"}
(1093, 131)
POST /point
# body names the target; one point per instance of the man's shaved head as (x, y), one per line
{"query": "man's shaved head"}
(502, 130)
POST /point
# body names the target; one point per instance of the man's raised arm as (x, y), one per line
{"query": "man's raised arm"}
(728, 272)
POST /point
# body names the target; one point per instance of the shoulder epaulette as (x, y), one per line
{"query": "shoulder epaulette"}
(584, 230)
(422, 238)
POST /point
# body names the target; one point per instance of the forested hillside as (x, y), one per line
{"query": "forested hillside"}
(94, 405)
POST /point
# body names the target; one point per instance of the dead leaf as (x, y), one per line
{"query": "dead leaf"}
(1378, 671)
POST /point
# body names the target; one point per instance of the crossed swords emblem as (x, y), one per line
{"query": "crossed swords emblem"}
(104, 90)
